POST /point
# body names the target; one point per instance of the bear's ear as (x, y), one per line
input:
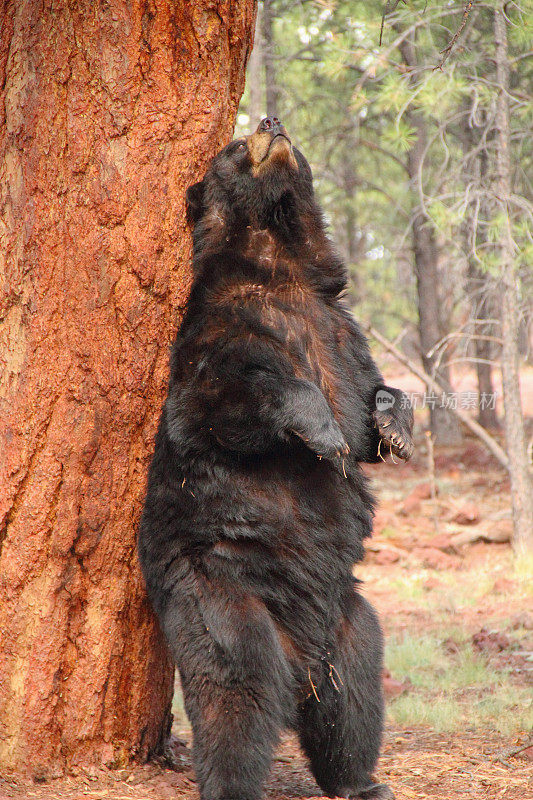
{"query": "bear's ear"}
(194, 202)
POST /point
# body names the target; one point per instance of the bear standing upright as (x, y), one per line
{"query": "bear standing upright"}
(256, 506)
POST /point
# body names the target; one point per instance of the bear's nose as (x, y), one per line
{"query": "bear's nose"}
(270, 124)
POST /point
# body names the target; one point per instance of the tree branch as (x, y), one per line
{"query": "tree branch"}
(451, 44)
(390, 8)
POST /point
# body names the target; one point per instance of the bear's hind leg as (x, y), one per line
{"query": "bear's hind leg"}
(237, 687)
(342, 733)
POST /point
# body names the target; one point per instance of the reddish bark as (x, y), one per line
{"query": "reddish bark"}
(108, 111)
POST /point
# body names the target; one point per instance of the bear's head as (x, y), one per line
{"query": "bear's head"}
(257, 200)
(261, 181)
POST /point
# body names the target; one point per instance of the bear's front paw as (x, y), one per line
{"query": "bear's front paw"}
(395, 438)
(331, 443)
(393, 417)
(326, 440)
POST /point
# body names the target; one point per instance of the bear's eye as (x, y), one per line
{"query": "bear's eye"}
(241, 146)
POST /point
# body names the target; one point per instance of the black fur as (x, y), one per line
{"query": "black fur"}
(256, 507)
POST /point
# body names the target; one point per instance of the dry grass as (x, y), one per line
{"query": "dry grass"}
(418, 764)
(458, 690)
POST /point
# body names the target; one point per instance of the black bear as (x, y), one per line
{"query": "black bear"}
(256, 506)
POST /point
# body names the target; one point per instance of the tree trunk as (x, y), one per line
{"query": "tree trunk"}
(484, 310)
(109, 111)
(272, 88)
(351, 238)
(255, 79)
(443, 424)
(479, 283)
(521, 481)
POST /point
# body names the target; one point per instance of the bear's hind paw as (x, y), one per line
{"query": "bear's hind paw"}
(376, 791)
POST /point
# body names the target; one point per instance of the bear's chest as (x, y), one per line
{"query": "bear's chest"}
(312, 335)
(304, 328)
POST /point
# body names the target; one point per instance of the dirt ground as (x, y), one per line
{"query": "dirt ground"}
(415, 762)
(457, 610)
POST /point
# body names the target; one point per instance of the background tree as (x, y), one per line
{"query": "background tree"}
(433, 324)
(256, 80)
(480, 284)
(521, 479)
(267, 38)
(109, 111)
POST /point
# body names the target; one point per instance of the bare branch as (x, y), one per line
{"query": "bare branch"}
(390, 8)
(443, 343)
(451, 44)
(378, 148)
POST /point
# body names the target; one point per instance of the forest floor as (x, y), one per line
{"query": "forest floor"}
(457, 610)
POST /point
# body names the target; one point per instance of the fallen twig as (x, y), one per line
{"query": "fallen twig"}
(512, 751)
(492, 537)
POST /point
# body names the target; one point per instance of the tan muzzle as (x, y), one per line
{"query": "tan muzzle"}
(268, 148)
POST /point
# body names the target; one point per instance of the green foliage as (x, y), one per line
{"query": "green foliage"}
(443, 92)
(395, 94)
(398, 137)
